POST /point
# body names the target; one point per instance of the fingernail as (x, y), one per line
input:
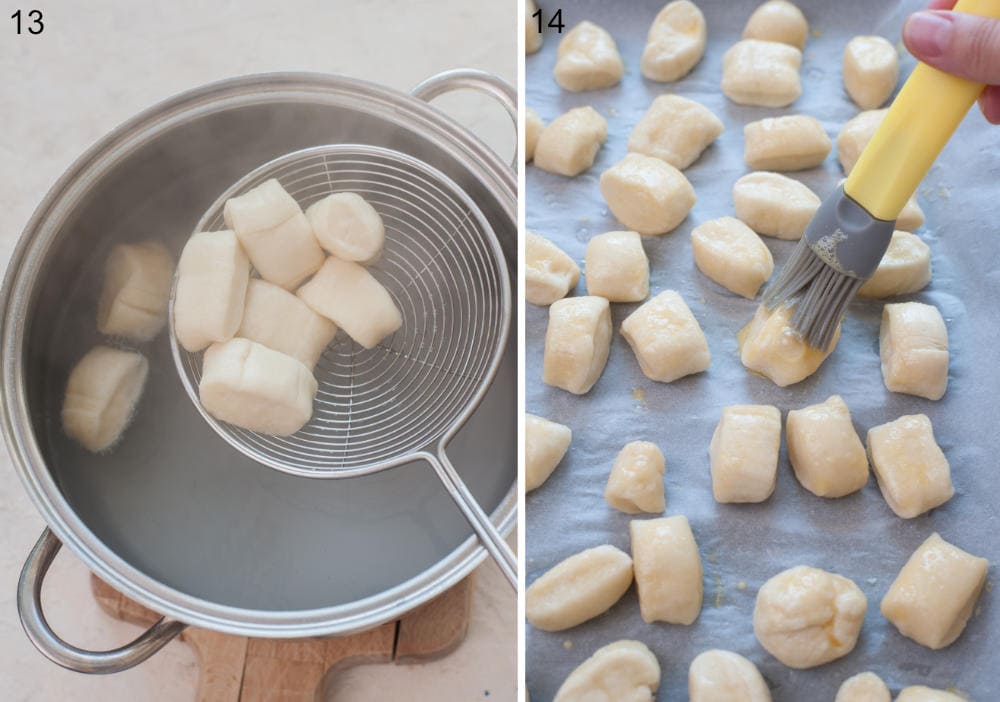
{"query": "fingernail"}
(927, 34)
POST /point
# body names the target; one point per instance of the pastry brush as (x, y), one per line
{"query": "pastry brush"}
(850, 232)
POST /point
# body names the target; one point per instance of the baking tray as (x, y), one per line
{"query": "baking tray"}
(857, 536)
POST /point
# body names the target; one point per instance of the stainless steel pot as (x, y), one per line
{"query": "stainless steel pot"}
(174, 518)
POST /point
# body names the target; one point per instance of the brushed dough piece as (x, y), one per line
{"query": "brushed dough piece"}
(532, 37)
(780, 21)
(254, 387)
(863, 687)
(724, 676)
(570, 143)
(279, 320)
(774, 205)
(577, 343)
(744, 453)
(275, 234)
(102, 392)
(730, 253)
(636, 480)
(912, 471)
(549, 272)
(578, 588)
(588, 59)
(623, 671)
(348, 295)
(666, 338)
(675, 42)
(871, 69)
(533, 126)
(855, 135)
(912, 217)
(762, 73)
(905, 268)
(668, 574)
(617, 267)
(545, 444)
(806, 617)
(825, 452)
(212, 278)
(788, 143)
(136, 291)
(913, 346)
(646, 194)
(346, 225)
(676, 130)
(921, 693)
(770, 346)
(935, 593)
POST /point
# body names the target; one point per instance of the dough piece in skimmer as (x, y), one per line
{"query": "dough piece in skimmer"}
(788, 143)
(347, 294)
(730, 253)
(667, 340)
(570, 143)
(863, 687)
(646, 194)
(545, 444)
(825, 452)
(136, 291)
(212, 278)
(636, 481)
(913, 473)
(913, 346)
(770, 346)
(274, 233)
(617, 267)
(774, 205)
(676, 130)
(744, 453)
(668, 574)
(549, 272)
(855, 135)
(780, 21)
(675, 43)
(762, 73)
(905, 268)
(588, 59)
(101, 395)
(533, 126)
(623, 671)
(871, 69)
(577, 343)
(724, 676)
(347, 226)
(279, 320)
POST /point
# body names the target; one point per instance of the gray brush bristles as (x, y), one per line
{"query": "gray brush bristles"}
(823, 295)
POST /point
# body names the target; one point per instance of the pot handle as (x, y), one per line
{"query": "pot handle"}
(29, 608)
(471, 79)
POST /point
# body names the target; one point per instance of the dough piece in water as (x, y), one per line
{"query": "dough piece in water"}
(912, 471)
(588, 59)
(570, 143)
(549, 272)
(102, 392)
(675, 43)
(789, 143)
(855, 135)
(532, 37)
(577, 343)
(863, 687)
(730, 253)
(780, 21)
(905, 268)
(935, 593)
(744, 453)
(348, 295)
(279, 320)
(646, 194)
(617, 267)
(212, 278)
(762, 73)
(774, 205)
(533, 126)
(825, 452)
(346, 225)
(636, 481)
(770, 346)
(724, 676)
(136, 291)
(545, 444)
(579, 588)
(275, 234)
(921, 693)
(668, 574)
(623, 671)
(806, 617)
(254, 387)
(676, 130)
(667, 340)
(871, 69)
(913, 346)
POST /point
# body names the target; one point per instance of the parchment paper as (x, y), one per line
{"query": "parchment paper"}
(856, 536)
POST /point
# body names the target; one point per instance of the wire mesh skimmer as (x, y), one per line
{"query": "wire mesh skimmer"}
(406, 398)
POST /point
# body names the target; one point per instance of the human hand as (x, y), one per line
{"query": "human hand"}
(963, 45)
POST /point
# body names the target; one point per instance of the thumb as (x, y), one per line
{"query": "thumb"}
(964, 45)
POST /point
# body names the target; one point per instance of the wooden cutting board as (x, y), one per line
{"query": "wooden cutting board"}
(241, 669)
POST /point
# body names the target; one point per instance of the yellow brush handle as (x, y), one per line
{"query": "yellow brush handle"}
(920, 121)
